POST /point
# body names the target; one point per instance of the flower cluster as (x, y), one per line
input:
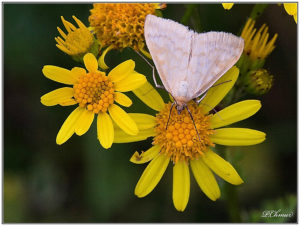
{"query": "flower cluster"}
(188, 139)
(121, 25)
(180, 144)
(258, 46)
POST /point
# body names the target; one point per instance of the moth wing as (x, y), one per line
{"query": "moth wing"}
(213, 54)
(169, 44)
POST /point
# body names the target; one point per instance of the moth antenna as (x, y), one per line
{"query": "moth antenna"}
(170, 114)
(153, 71)
(215, 111)
(221, 83)
(190, 113)
(211, 108)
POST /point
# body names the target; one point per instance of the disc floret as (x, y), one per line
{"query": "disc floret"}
(94, 91)
(180, 140)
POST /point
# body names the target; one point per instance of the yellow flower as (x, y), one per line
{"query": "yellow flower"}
(180, 144)
(291, 9)
(227, 6)
(95, 93)
(77, 41)
(257, 45)
(121, 25)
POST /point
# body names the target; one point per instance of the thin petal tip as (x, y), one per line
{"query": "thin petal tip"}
(59, 141)
(138, 193)
(105, 145)
(180, 209)
(135, 158)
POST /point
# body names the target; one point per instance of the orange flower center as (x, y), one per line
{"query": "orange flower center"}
(94, 91)
(79, 41)
(180, 140)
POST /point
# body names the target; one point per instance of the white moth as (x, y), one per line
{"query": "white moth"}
(189, 63)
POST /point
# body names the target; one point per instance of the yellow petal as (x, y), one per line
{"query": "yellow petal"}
(59, 74)
(68, 128)
(65, 24)
(121, 71)
(105, 130)
(216, 94)
(122, 99)
(290, 8)
(234, 113)
(61, 33)
(68, 102)
(78, 71)
(145, 156)
(131, 82)
(205, 179)
(149, 96)
(151, 175)
(123, 120)
(122, 137)
(90, 62)
(101, 60)
(222, 168)
(143, 121)
(181, 185)
(295, 17)
(227, 5)
(237, 136)
(145, 124)
(58, 96)
(84, 122)
(63, 48)
(79, 23)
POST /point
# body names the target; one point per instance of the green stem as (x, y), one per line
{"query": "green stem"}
(232, 202)
(257, 10)
(188, 13)
(196, 20)
(230, 193)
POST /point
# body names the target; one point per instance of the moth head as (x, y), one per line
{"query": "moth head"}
(180, 106)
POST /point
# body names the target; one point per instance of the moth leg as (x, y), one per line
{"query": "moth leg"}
(215, 111)
(153, 71)
(199, 100)
(190, 113)
(154, 79)
(170, 115)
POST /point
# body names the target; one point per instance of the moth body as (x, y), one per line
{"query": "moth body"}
(181, 94)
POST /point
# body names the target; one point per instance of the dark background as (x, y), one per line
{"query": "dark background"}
(80, 181)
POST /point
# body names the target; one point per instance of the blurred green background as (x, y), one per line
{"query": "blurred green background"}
(81, 182)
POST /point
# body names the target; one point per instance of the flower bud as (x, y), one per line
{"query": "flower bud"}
(258, 82)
